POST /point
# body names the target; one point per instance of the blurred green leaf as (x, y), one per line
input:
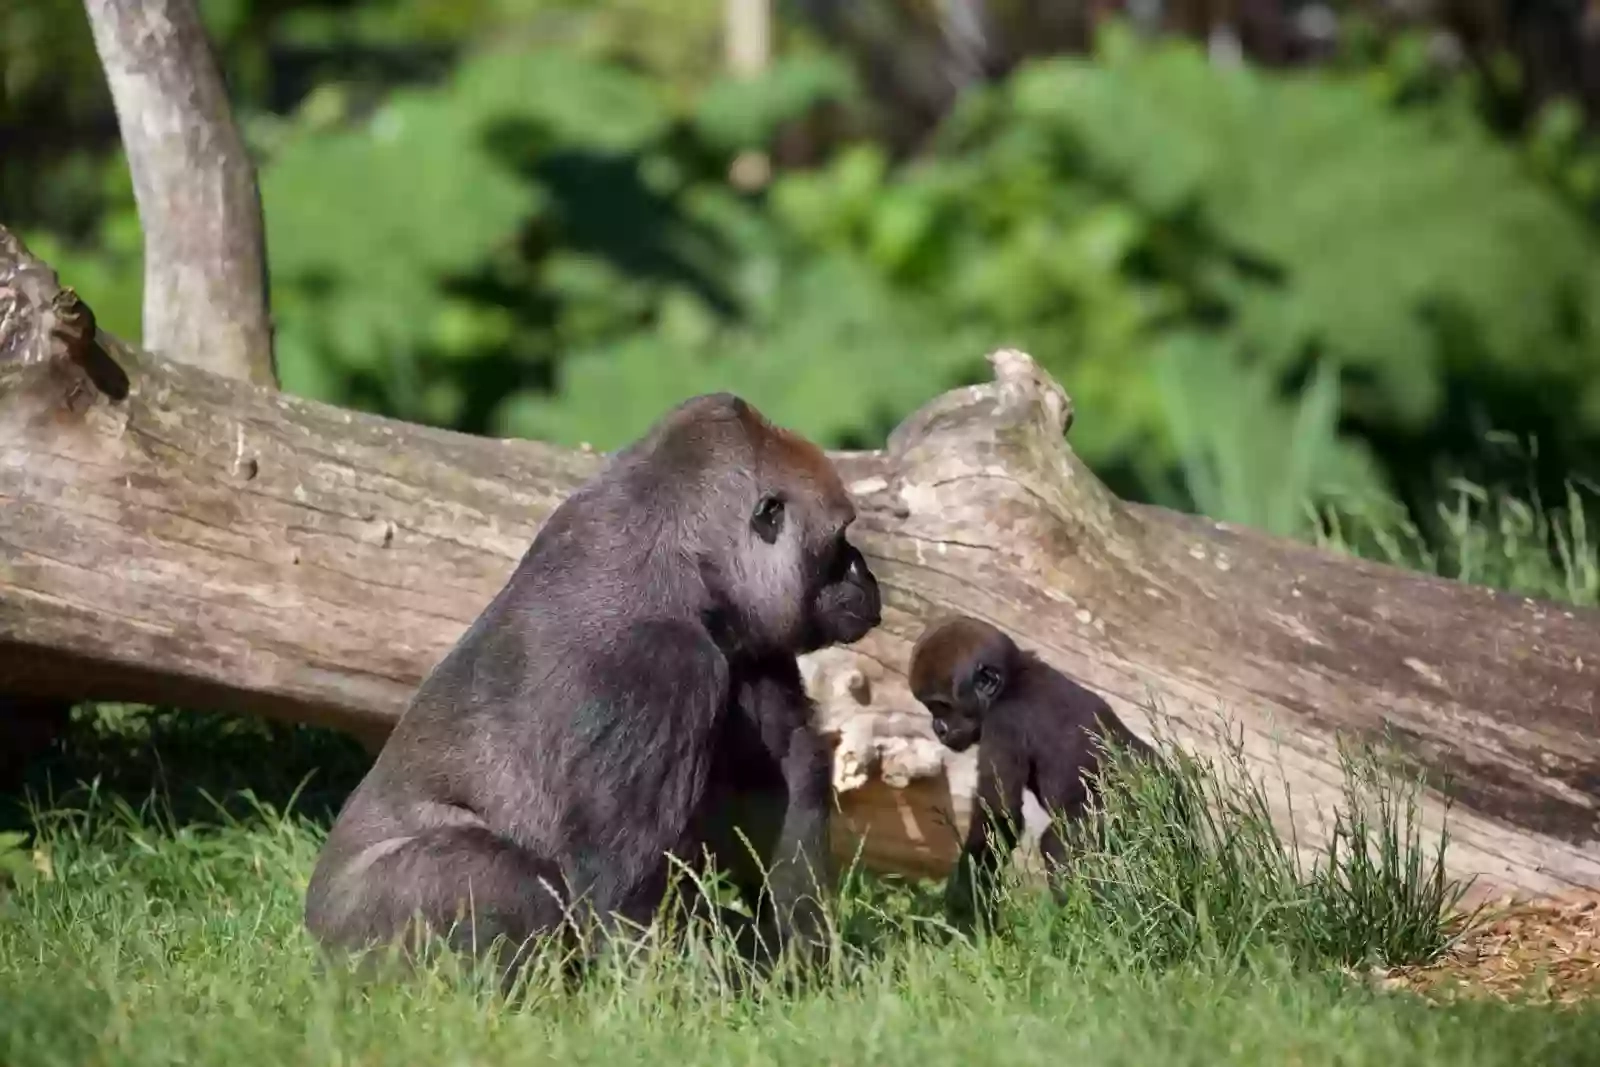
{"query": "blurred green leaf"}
(737, 113)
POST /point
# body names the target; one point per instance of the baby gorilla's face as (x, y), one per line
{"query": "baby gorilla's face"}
(958, 728)
(958, 709)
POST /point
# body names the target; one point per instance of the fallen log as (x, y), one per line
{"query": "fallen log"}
(169, 535)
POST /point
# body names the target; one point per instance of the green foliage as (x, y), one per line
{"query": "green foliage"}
(830, 351)
(1219, 414)
(17, 862)
(369, 222)
(1182, 245)
(1263, 290)
(1372, 217)
(738, 114)
(1488, 537)
(1235, 274)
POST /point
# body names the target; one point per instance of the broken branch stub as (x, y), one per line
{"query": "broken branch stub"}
(42, 323)
(202, 542)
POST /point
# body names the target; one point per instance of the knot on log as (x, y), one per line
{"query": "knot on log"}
(1021, 402)
(29, 295)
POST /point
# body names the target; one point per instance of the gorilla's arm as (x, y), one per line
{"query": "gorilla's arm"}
(992, 831)
(780, 774)
(801, 871)
(638, 761)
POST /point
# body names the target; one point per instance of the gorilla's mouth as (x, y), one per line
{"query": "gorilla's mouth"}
(959, 740)
(852, 623)
(847, 606)
(866, 615)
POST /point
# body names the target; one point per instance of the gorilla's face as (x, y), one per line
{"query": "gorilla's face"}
(958, 728)
(958, 672)
(846, 605)
(817, 587)
(771, 518)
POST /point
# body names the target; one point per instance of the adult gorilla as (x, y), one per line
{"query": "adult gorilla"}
(631, 692)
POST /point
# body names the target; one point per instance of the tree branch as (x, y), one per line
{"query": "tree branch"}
(202, 542)
(205, 293)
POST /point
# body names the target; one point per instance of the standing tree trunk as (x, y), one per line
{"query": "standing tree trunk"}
(747, 36)
(747, 40)
(205, 271)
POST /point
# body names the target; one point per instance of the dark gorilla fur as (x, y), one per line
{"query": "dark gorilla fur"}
(631, 692)
(1039, 729)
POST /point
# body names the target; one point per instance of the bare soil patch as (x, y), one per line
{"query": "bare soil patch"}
(1542, 951)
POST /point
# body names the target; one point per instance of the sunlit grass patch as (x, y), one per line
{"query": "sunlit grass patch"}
(1183, 864)
(153, 939)
(157, 944)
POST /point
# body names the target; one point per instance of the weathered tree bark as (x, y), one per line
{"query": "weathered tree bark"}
(205, 297)
(205, 272)
(170, 535)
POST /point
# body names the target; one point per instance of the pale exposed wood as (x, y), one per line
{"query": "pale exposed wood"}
(747, 43)
(747, 35)
(205, 292)
(208, 543)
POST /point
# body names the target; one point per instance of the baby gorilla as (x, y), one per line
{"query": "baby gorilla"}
(1039, 729)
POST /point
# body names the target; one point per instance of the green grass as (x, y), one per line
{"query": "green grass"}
(1487, 537)
(150, 912)
(170, 932)
(1210, 879)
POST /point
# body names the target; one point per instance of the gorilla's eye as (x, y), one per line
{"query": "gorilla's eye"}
(768, 518)
(987, 681)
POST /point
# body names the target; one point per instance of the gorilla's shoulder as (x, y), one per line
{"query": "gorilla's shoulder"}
(660, 654)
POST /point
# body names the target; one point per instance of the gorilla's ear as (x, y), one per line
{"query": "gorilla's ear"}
(987, 682)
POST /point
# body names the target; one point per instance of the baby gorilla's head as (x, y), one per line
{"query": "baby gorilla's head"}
(959, 669)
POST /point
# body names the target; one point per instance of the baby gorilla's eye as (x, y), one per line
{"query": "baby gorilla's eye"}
(767, 521)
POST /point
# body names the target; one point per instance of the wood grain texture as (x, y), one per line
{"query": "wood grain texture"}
(204, 542)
